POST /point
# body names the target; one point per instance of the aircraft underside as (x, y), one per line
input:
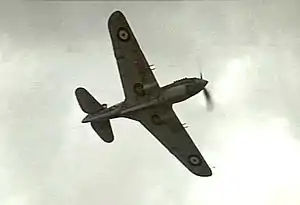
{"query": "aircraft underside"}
(146, 102)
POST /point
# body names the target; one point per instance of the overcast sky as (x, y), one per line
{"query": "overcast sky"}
(249, 52)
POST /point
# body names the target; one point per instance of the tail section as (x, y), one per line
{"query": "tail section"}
(103, 129)
(90, 105)
(87, 102)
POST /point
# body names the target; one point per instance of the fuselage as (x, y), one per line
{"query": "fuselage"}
(175, 92)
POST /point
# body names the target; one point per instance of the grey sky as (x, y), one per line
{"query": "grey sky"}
(249, 52)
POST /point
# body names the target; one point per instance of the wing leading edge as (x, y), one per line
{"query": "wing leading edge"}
(163, 123)
(134, 70)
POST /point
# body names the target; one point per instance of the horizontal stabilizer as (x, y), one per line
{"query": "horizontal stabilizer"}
(103, 129)
(87, 102)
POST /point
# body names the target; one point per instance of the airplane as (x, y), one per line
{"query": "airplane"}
(145, 100)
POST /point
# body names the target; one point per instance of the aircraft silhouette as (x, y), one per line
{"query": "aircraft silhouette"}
(145, 101)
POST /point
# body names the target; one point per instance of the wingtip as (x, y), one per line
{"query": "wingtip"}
(117, 12)
(202, 171)
(79, 90)
(206, 173)
(115, 15)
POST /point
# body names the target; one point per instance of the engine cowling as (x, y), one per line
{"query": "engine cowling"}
(175, 94)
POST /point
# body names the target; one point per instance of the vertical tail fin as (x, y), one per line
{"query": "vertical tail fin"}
(87, 102)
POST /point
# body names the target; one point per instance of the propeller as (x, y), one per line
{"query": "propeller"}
(207, 96)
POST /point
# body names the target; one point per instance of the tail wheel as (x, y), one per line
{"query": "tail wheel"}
(139, 89)
(195, 160)
(156, 119)
(104, 106)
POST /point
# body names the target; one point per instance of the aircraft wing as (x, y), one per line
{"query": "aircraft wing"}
(134, 70)
(163, 123)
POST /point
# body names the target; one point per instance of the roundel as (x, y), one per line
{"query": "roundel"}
(195, 160)
(123, 34)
